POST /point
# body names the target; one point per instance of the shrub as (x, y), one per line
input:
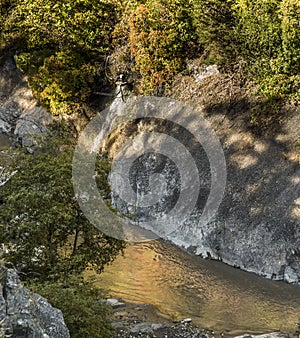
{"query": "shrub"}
(160, 37)
(84, 314)
(289, 14)
(269, 41)
(61, 81)
(63, 47)
(215, 27)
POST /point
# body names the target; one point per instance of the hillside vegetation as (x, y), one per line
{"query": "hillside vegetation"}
(47, 238)
(72, 50)
(63, 45)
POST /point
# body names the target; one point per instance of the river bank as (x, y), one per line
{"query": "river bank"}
(250, 235)
(214, 295)
(144, 320)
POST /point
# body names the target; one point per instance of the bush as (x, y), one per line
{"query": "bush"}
(290, 25)
(84, 314)
(161, 36)
(215, 27)
(72, 23)
(269, 41)
(63, 47)
(61, 81)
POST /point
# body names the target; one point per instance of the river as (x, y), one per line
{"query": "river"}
(213, 294)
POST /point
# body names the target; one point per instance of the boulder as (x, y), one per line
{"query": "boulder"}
(266, 335)
(21, 117)
(24, 314)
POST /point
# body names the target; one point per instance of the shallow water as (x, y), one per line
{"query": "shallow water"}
(213, 294)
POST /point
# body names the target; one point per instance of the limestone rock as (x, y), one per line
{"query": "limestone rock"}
(256, 226)
(24, 314)
(20, 115)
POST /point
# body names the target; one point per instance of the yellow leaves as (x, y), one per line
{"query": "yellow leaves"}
(78, 18)
(290, 18)
(159, 32)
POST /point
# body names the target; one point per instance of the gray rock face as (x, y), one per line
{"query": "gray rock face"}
(20, 116)
(257, 226)
(24, 314)
(146, 328)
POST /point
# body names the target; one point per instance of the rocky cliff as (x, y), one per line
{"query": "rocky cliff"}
(257, 226)
(22, 120)
(24, 314)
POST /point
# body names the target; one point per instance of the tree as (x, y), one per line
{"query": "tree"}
(268, 40)
(42, 226)
(160, 37)
(215, 25)
(61, 45)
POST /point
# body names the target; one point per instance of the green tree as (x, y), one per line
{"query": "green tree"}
(268, 40)
(42, 225)
(290, 26)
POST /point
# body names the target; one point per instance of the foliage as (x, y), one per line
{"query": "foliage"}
(84, 314)
(70, 24)
(42, 225)
(269, 41)
(259, 28)
(62, 81)
(160, 35)
(63, 45)
(215, 25)
(289, 14)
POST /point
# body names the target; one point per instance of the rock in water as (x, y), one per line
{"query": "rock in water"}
(25, 314)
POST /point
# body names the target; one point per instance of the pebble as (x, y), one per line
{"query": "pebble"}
(114, 303)
(186, 320)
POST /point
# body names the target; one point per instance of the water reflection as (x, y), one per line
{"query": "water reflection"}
(215, 295)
